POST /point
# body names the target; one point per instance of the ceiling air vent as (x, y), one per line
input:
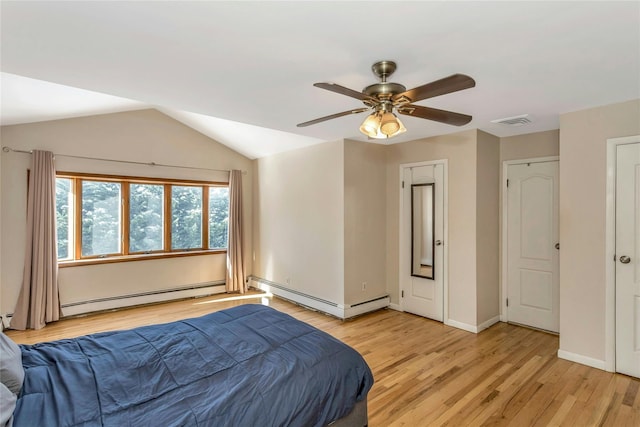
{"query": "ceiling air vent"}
(514, 121)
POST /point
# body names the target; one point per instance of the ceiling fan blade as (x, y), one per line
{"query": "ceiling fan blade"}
(449, 84)
(443, 116)
(333, 116)
(344, 91)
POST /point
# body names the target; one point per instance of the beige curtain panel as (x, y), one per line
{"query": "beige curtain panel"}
(235, 251)
(39, 302)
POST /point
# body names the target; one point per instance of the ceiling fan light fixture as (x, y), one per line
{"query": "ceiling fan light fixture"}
(400, 130)
(389, 124)
(380, 125)
(371, 125)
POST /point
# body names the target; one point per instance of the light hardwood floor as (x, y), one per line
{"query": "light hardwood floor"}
(426, 373)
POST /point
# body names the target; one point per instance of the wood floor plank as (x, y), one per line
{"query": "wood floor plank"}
(426, 373)
(560, 414)
(630, 393)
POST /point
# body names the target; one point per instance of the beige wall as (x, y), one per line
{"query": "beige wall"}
(142, 136)
(530, 145)
(460, 151)
(300, 214)
(364, 221)
(361, 181)
(487, 223)
(583, 177)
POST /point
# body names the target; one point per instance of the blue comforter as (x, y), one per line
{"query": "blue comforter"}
(246, 366)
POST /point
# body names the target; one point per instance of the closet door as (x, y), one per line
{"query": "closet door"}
(627, 262)
(532, 245)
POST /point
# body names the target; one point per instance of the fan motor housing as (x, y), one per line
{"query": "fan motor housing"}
(383, 90)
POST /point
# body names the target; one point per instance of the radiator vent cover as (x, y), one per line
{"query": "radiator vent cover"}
(520, 120)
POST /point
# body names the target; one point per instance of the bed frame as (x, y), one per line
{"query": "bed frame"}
(357, 417)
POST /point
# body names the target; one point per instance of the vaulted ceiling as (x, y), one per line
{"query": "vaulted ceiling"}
(242, 72)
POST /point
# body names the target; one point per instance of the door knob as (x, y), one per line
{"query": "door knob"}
(557, 245)
(438, 242)
(625, 259)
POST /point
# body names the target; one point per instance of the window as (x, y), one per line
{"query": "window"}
(186, 217)
(105, 218)
(218, 217)
(64, 217)
(146, 218)
(101, 217)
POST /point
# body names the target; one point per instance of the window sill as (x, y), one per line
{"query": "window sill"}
(138, 257)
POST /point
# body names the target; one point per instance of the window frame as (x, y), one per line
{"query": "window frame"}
(125, 255)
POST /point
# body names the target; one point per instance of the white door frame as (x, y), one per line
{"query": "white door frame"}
(503, 241)
(404, 245)
(610, 250)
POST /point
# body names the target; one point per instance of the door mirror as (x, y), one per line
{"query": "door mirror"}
(422, 226)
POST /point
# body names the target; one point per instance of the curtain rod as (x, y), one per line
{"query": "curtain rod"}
(9, 149)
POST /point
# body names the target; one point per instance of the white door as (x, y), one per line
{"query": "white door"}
(532, 245)
(627, 262)
(422, 264)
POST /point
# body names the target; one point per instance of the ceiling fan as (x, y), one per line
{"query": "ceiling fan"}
(383, 98)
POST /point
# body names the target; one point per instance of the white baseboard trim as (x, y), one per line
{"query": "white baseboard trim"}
(489, 323)
(365, 307)
(339, 310)
(473, 328)
(460, 325)
(139, 299)
(583, 360)
(395, 307)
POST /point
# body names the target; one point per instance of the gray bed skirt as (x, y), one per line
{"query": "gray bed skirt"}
(356, 418)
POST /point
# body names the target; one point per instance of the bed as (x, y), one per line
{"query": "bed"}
(249, 365)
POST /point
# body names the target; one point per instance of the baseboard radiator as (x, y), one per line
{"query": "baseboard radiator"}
(339, 310)
(120, 301)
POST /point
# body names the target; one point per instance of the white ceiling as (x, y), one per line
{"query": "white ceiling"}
(242, 72)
